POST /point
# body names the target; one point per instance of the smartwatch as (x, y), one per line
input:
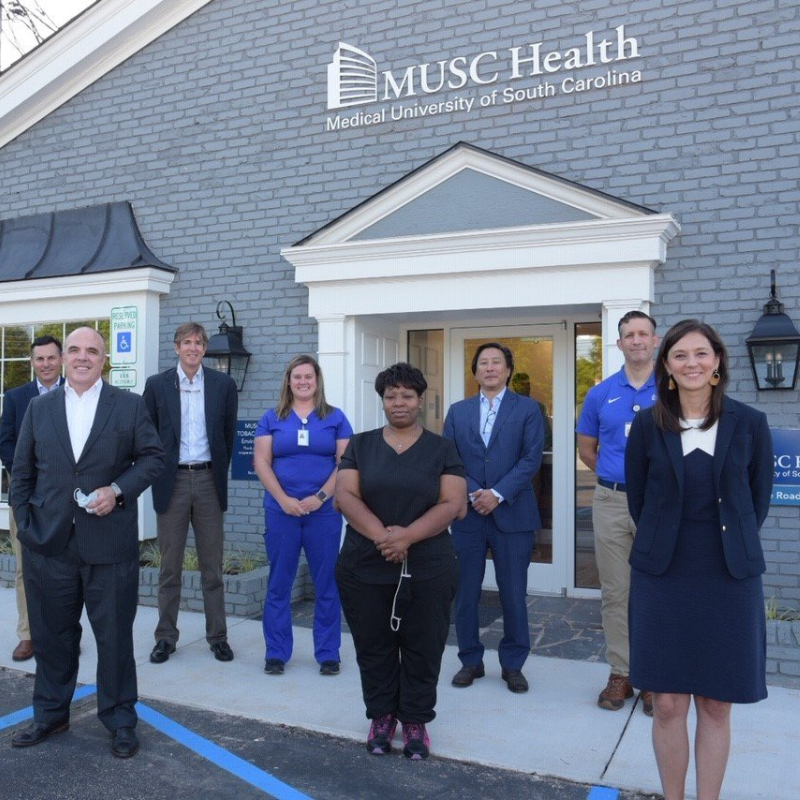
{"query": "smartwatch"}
(321, 496)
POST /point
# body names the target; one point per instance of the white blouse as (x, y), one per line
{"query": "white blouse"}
(693, 438)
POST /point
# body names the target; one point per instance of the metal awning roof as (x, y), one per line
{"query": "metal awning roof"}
(81, 241)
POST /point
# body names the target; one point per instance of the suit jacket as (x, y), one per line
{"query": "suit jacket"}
(743, 472)
(122, 448)
(507, 464)
(163, 400)
(15, 404)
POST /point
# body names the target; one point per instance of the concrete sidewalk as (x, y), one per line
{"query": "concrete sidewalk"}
(556, 729)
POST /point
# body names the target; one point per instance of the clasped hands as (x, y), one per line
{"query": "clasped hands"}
(484, 501)
(394, 546)
(301, 508)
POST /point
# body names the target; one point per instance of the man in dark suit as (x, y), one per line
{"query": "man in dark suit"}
(194, 410)
(85, 453)
(499, 436)
(46, 363)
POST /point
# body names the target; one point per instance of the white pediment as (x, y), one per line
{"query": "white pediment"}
(470, 189)
(549, 242)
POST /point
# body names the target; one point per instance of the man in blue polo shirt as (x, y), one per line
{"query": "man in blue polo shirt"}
(603, 429)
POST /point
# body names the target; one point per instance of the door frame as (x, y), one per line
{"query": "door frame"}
(551, 578)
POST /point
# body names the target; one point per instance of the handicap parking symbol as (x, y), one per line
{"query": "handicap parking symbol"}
(124, 341)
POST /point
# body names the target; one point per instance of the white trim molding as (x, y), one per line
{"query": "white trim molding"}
(87, 48)
(92, 296)
(612, 255)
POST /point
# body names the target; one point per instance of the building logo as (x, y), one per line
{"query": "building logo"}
(517, 74)
(352, 78)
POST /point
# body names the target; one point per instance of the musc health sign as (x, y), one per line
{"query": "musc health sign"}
(786, 488)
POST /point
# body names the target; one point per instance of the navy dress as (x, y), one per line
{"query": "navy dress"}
(695, 629)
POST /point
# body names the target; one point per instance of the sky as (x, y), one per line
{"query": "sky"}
(59, 11)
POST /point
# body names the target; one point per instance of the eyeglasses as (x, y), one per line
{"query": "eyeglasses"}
(489, 424)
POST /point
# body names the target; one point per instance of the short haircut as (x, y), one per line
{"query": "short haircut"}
(509, 356)
(190, 329)
(401, 374)
(43, 341)
(631, 315)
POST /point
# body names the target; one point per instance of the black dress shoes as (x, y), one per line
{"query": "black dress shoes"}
(467, 674)
(515, 680)
(36, 733)
(222, 651)
(162, 651)
(125, 743)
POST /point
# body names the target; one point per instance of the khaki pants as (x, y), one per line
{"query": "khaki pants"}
(613, 538)
(23, 628)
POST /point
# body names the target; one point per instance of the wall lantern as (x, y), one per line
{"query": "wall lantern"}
(225, 350)
(774, 346)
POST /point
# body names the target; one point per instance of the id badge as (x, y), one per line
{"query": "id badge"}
(302, 438)
(627, 428)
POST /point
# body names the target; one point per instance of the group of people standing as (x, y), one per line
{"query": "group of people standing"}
(683, 485)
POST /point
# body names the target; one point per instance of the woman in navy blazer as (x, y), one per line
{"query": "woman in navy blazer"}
(699, 470)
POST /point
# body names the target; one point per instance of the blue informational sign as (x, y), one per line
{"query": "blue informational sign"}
(786, 489)
(242, 461)
(124, 339)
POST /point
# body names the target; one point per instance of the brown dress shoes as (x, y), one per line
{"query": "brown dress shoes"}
(23, 651)
(467, 674)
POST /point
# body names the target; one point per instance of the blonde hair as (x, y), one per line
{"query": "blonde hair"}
(284, 407)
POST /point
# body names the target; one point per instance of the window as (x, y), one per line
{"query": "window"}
(15, 363)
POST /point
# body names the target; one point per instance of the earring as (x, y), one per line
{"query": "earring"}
(671, 384)
(715, 378)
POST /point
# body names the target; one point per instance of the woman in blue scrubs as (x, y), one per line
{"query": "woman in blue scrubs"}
(298, 445)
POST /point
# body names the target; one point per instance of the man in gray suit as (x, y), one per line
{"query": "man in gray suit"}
(85, 452)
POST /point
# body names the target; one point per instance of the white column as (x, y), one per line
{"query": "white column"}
(332, 357)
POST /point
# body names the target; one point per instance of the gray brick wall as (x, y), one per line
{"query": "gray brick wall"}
(215, 133)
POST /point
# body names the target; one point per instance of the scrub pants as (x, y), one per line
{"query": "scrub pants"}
(319, 535)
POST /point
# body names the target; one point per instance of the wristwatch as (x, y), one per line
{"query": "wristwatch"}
(321, 496)
(118, 494)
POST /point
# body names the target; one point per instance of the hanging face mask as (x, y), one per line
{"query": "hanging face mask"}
(402, 597)
(83, 500)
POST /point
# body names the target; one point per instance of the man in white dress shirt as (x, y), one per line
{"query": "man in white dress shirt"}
(194, 409)
(85, 452)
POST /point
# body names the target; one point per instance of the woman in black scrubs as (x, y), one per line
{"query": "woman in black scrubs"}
(399, 488)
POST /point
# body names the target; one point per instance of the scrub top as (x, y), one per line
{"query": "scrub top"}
(302, 469)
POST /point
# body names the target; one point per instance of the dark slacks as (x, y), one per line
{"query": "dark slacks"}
(399, 670)
(194, 499)
(57, 588)
(512, 554)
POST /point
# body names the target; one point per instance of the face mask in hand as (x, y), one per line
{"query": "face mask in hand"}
(83, 500)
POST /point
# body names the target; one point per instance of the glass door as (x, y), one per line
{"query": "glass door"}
(539, 355)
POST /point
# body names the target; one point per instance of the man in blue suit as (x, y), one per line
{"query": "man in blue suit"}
(499, 436)
(46, 362)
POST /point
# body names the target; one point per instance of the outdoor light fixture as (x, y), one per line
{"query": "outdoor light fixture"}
(774, 346)
(225, 350)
